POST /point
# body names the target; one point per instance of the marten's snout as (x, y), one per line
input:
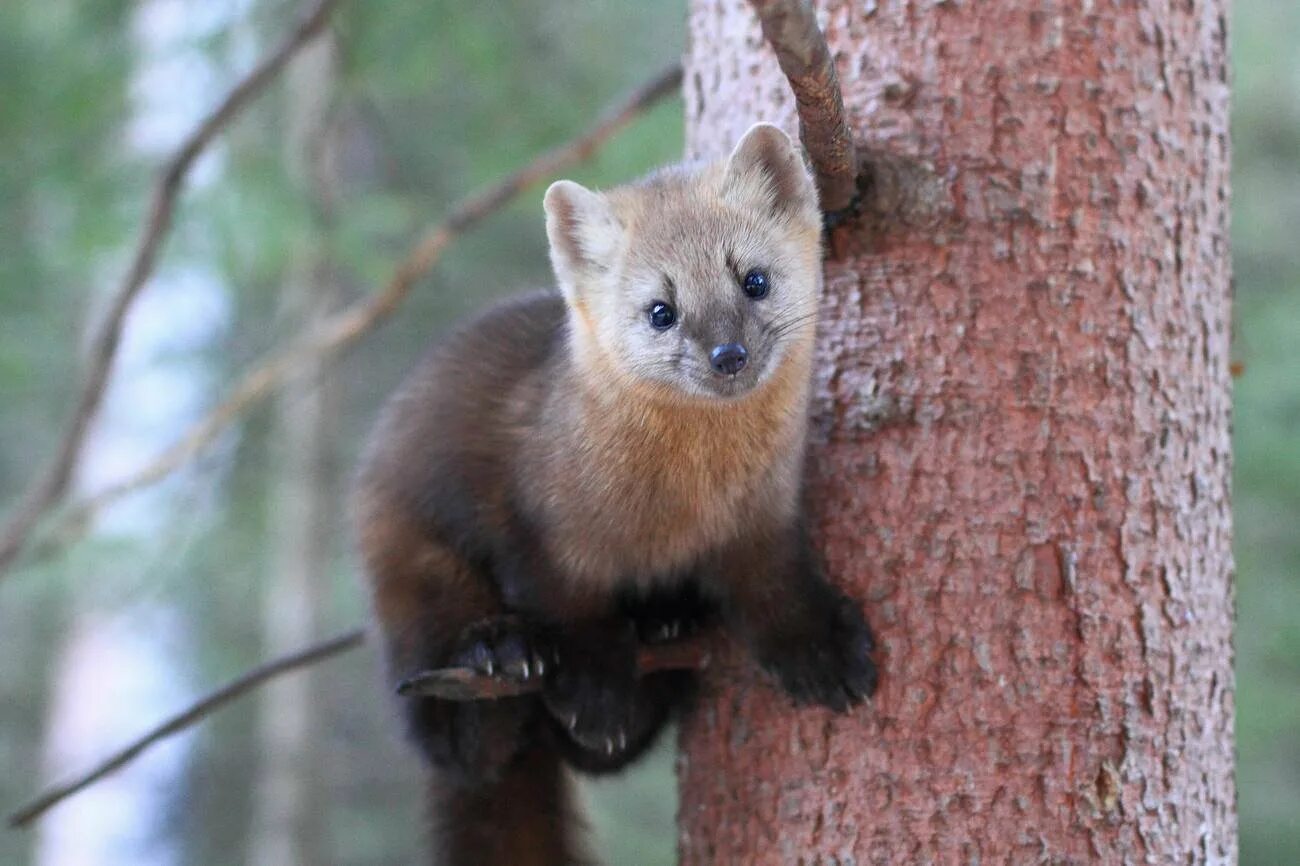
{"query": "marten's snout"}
(728, 359)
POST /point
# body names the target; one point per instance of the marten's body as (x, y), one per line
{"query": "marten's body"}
(576, 471)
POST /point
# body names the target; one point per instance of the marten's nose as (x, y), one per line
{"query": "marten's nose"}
(728, 359)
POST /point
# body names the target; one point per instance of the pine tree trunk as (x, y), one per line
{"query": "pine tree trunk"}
(305, 493)
(1021, 446)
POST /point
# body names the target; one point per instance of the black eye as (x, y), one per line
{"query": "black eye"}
(662, 316)
(755, 284)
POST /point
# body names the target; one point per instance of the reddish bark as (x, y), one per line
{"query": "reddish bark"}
(1021, 451)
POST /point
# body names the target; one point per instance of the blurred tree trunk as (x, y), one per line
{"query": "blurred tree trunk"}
(1021, 446)
(287, 826)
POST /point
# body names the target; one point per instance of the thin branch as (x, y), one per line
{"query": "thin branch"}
(348, 326)
(467, 684)
(790, 27)
(448, 683)
(49, 489)
(197, 711)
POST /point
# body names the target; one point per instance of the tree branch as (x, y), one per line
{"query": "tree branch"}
(466, 684)
(790, 27)
(456, 684)
(49, 489)
(348, 326)
(201, 708)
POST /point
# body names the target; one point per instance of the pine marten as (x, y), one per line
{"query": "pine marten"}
(577, 471)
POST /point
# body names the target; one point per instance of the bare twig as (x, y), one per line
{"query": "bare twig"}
(49, 489)
(790, 27)
(346, 327)
(467, 684)
(448, 683)
(197, 711)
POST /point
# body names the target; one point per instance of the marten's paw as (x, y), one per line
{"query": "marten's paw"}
(655, 629)
(666, 615)
(827, 661)
(592, 691)
(504, 646)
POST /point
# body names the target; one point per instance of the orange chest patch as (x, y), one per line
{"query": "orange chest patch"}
(651, 491)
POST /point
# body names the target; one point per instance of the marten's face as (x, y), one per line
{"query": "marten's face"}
(700, 282)
(710, 297)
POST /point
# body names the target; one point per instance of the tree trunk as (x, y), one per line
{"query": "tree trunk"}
(289, 804)
(1020, 452)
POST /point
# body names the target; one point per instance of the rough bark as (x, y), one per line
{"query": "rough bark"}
(1021, 452)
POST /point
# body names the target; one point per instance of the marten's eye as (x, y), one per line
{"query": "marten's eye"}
(662, 316)
(755, 284)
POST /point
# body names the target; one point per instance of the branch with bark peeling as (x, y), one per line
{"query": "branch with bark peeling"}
(50, 488)
(790, 27)
(456, 684)
(350, 325)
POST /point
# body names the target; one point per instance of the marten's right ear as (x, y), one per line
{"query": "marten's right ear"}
(583, 233)
(766, 168)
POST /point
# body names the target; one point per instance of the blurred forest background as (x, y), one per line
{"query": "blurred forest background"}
(304, 204)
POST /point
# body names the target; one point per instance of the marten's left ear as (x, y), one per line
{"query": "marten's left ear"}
(583, 232)
(766, 167)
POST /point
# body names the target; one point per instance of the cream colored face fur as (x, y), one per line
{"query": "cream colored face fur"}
(686, 237)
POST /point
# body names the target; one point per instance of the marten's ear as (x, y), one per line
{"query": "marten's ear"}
(583, 233)
(766, 168)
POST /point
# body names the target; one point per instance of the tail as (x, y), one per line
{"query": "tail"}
(526, 817)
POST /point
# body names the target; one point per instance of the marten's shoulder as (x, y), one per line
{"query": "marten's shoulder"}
(456, 410)
(494, 348)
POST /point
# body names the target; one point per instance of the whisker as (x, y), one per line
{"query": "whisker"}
(796, 320)
(795, 316)
(780, 328)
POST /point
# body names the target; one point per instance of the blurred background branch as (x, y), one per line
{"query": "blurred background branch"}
(50, 488)
(205, 706)
(448, 683)
(341, 330)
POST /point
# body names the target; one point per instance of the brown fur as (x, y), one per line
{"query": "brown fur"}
(550, 469)
(644, 485)
(533, 800)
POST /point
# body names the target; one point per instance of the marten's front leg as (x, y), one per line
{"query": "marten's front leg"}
(811, 636)
(603, 713)
(670, 612)
(427, 600)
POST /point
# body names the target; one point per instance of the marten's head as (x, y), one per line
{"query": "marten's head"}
(697, 281)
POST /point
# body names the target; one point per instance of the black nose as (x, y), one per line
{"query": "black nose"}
(729, 358)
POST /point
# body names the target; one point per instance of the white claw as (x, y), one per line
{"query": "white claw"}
(527, 671)
(540, 666)
(490, 667)
(609, 746)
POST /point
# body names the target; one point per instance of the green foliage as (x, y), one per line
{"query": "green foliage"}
(1266, 211)
(58, 181)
